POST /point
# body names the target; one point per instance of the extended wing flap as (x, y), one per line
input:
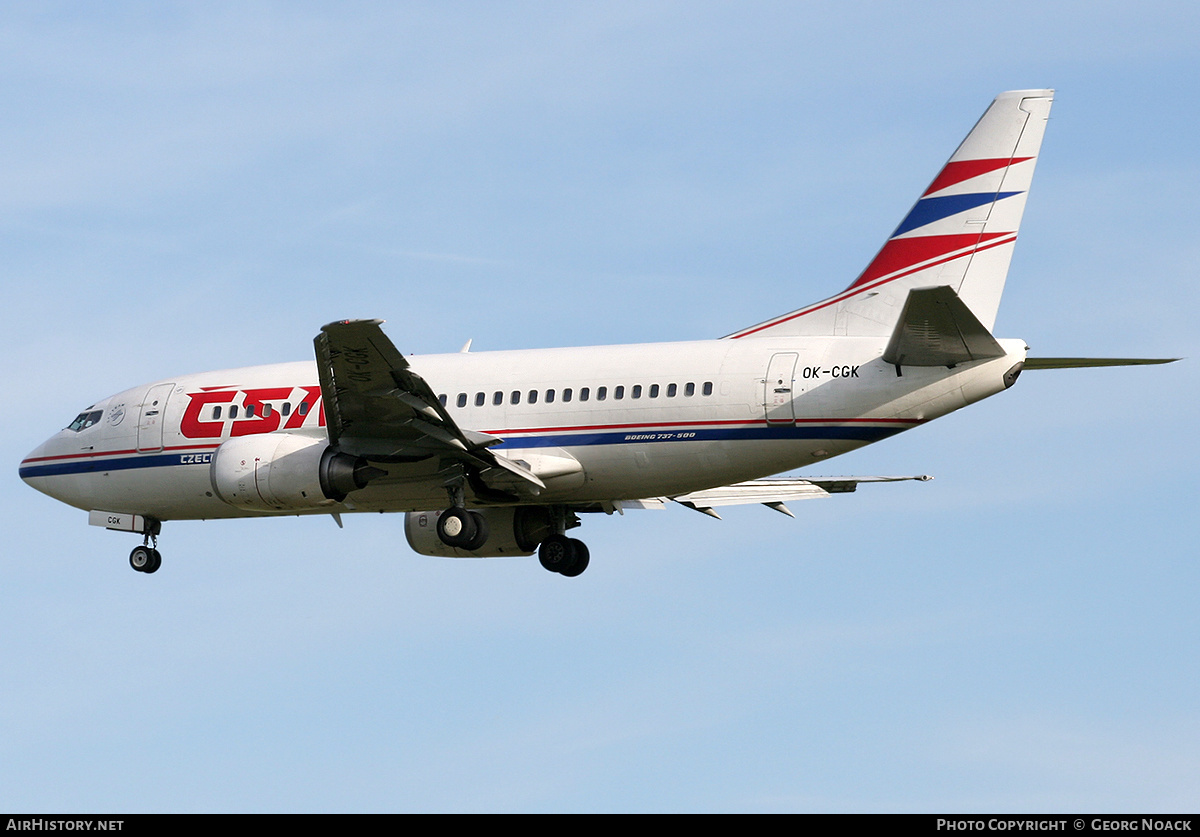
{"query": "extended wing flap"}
(775, 492)
(755, 491)
(506, 475)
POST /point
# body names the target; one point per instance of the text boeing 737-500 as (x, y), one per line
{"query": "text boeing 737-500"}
(497, 453)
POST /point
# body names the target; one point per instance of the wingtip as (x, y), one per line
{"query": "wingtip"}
(339, 323)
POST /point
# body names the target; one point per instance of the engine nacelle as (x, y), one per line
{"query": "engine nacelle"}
(511, 531)
(285, 472)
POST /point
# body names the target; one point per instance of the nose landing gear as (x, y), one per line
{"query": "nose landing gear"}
(146, 558)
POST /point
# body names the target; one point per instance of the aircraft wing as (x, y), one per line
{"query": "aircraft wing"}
(772, 493)
(378, 408)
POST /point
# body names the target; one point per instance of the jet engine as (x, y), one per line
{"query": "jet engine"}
(285, 472)
(511, 531)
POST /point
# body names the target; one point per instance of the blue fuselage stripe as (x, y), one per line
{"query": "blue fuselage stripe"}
(778, 432)
(90, 466)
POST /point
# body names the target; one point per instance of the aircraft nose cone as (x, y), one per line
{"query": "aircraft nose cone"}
(29, 465)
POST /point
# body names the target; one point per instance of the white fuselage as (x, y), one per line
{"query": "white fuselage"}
(596, 424)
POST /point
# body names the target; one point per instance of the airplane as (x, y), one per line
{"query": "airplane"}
(499, 453)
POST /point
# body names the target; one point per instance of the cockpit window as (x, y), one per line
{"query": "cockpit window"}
(85, 420)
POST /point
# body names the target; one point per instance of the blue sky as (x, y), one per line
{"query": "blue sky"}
(190, 187)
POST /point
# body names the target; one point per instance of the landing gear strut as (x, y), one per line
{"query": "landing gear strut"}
(458, 527)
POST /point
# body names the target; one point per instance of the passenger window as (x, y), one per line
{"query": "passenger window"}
(654, 390)
(533, 396)
(266, 413)
(567, 394)
(601, 393)
(287, 408)
(304, 406)
(671, 390)
(515, 398)
(461, 401)
(216, 412)
(618, 393)
(637, 391)
(497, 398)
(479, 399)
(584, 392)
(233, 411)
(549, 396)
(249, 411)
(441, 398)
(690, 389)
(708, 387)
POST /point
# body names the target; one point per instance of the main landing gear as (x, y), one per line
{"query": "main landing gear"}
(558, 553)
(462, 529)
(563, 555)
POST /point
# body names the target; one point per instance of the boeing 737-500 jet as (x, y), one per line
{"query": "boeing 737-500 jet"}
(498, 453)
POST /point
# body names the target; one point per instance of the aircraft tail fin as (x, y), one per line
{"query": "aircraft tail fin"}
(960, 233)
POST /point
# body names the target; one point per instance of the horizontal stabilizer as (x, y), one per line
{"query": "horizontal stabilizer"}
(936, 328)
(1082, 362)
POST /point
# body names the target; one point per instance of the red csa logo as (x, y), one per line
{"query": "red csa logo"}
(261, 408)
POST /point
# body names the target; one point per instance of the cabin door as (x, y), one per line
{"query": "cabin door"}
(778, 389)
(150, 419)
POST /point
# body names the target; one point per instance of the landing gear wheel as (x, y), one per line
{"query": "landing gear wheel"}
(457, 527)
(582, 557)
(556, 552)
(145, 559)
(481, 532)
(563, 555)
